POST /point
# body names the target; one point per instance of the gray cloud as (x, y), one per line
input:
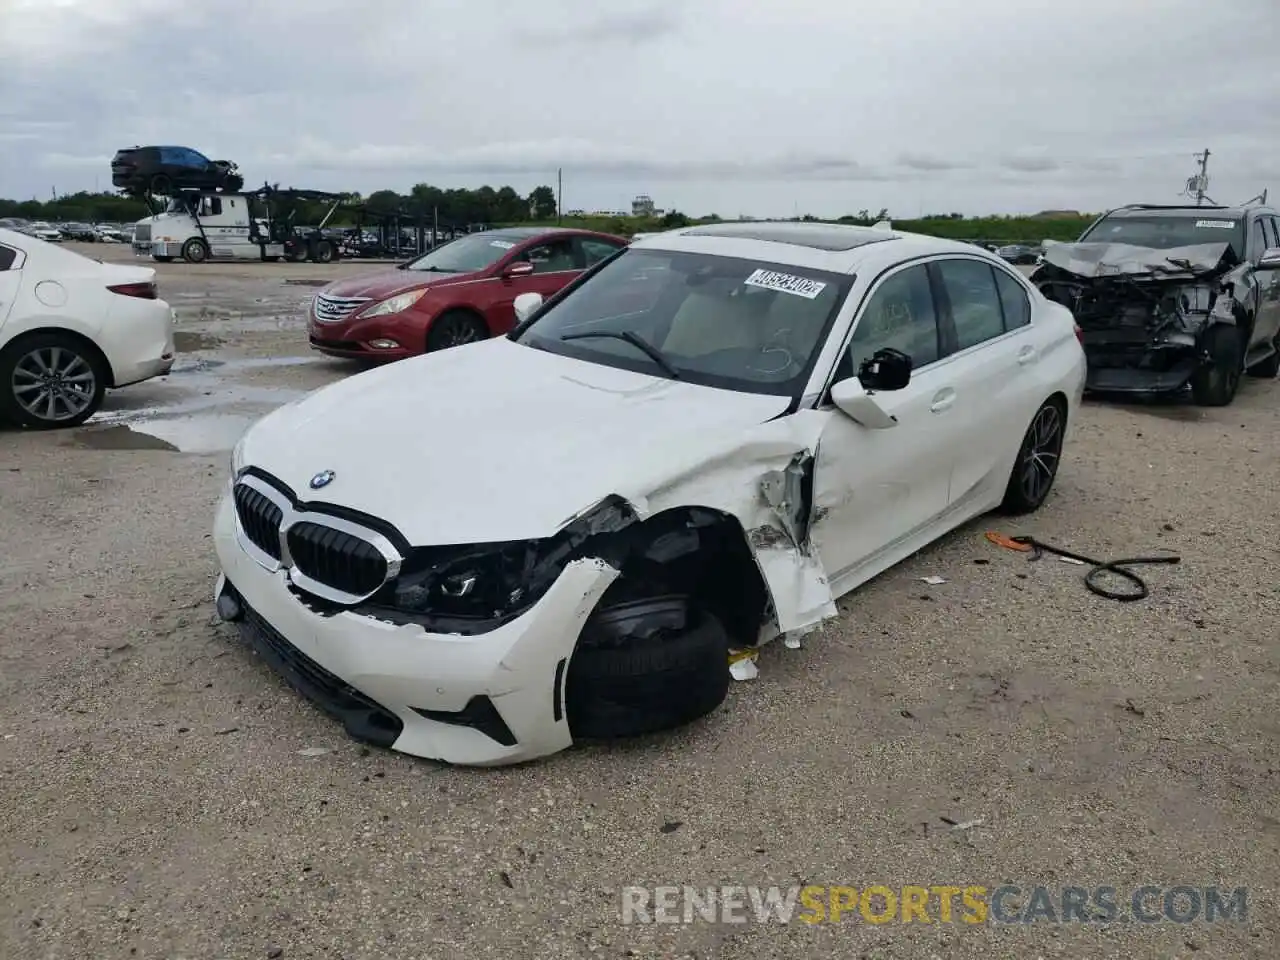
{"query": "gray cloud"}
(699, 105)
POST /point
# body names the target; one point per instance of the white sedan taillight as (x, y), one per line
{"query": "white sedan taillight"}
(146, 291)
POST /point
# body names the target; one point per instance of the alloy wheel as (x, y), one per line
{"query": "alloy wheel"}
(458, 331)
(53, 384)
(1040, 453)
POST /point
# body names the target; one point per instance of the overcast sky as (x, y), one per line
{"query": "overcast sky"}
(765, 107)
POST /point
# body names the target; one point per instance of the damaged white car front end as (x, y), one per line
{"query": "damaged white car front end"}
(486, 554)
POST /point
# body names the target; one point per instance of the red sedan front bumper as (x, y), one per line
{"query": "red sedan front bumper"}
(375, 340)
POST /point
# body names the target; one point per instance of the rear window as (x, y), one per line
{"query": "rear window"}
(1163, 233)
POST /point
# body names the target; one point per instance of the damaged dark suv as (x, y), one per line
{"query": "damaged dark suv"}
(1168, 296)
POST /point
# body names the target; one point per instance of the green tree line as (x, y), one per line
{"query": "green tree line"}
(504, 206)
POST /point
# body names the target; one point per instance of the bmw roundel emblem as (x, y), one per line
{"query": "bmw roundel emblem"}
(322, 479)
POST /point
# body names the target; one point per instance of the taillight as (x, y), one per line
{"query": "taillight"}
(147, 291)
(1080, 334)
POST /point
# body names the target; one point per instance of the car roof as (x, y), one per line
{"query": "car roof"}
(1145, 211)
(845, 248)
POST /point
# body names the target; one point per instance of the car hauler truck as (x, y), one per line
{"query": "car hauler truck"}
(201, 225)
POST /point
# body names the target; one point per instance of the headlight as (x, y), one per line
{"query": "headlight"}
(397, 304)
(466, 589)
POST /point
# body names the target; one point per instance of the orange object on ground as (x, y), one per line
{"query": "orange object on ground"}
(1000, 540)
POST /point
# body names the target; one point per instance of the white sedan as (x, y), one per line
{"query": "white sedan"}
(71, 327)
(486, 554)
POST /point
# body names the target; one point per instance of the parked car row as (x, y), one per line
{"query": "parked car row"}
(664, 451)
(56, 233)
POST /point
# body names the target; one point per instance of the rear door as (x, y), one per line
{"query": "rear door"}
(10, 280)
(994, 370)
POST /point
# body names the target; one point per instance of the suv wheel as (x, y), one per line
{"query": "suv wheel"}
(1215, 384)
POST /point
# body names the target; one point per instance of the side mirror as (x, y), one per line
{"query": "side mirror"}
(853, 400)
(526, 305)
(518, 268)
(1270, 259)
(886, 369)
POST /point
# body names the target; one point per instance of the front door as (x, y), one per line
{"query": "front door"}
(873, 488)
(553, 267)
(1267, 324)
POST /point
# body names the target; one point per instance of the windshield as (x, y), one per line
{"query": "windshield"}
(717, 321)
(178, 205)
(466, 254)
(1163, 233)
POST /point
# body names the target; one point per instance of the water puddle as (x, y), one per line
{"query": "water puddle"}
(198, 433)
(186, 341)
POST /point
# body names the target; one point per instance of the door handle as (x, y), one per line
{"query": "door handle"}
(1026, 355)
(942, 400)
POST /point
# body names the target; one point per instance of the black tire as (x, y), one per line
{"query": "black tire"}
(163, 259)
(296, 254)
(233, 183)
(646, 685)
(81, 384)
(161, 185)
(195, 250)
(1036, 467)
(1215, 384)
(324, 252)
(454, 328)
(1269, 368)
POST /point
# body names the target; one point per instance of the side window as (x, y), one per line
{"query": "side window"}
(8, 256)
(1257, 240)
(210, 206)
(552, 257)
(1013, 300)
(975, 304)
(593, 251)
(189, 158)
(1273, 239)
(901, 315)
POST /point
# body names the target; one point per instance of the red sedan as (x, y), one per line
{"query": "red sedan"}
(458, 293)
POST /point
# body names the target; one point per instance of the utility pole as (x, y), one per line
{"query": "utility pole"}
(1200, 183)
(559, 192)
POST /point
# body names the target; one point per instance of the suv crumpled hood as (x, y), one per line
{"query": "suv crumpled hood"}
(1090, 260)
(387, 283)
(495, 440)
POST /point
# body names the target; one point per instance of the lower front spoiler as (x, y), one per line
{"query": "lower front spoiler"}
(363, 718)
(1136, 380)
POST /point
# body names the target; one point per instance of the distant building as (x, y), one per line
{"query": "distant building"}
(642, 206)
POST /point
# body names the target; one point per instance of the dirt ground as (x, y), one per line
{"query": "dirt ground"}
(164, 795)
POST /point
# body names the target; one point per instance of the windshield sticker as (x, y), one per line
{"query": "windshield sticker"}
(501, 244)
(786, 283)
(1219, 224)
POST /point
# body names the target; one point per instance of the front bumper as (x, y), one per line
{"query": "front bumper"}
(354, 339)
(417, 692)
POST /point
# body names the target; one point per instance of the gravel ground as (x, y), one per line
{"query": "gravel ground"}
(163, 795)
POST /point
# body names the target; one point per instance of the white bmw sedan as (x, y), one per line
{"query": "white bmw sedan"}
(72, 327)
(486, 554)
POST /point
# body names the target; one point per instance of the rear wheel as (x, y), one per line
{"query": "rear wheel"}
(50, 380)
(324, 252)
(455, 328)
(1215, 384)
(1037, 465)
(161, 185)
(195, 250)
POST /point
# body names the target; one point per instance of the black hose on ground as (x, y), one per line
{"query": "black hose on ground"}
(1116, 567)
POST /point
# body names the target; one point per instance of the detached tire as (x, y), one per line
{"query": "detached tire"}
(1215, 384)
(627, 686)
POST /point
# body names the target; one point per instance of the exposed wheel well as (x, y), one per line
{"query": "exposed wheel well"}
(701, 552)
(88, 345)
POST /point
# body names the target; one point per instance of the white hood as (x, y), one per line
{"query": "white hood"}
(495, 440)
